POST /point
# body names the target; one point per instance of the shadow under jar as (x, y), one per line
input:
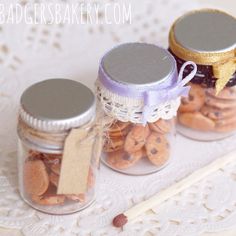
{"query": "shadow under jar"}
(138, 88)
(55, 115)
(207, 37)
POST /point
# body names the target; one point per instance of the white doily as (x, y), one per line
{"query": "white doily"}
(128, 109)
(31, 53)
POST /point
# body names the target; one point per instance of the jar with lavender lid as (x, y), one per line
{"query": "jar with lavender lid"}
(59, 146)
(138, 87)
(207, 37)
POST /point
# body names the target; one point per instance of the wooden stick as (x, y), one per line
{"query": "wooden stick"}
(165, 194)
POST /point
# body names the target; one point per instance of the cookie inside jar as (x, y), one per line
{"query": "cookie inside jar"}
(211, 116)
(41, 173)
(138, 148)
(209, 111)
(139, 89)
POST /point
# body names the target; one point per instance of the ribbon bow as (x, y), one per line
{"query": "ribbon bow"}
(223, 71)
(156, 97)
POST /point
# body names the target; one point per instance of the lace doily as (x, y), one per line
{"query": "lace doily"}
(128, 109)
(31, 53)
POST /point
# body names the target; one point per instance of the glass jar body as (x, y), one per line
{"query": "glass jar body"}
(137, 149)
(39, 173)
(206, 116)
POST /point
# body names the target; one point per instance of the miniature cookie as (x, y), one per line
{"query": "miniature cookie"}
(54, 179)
(228, 93)
(217, 114)
(157, 148)
(56, 168)
(226, 128)
(136, 138)
(49, 200)
(35, 155)
(124, 160)
(113, 144)
(36, 180)
(121, 133)
(50, 159)
(220, 103)
(76, 197)
(227, 121)
(194, 101)
(117, 127)
(196, 121)
(161, 126)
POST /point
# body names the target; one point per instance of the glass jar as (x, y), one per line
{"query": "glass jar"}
(138, 87)
(207, 37)
(58, 152)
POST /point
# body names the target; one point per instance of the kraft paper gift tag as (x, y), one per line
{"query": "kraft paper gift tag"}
(78, 151)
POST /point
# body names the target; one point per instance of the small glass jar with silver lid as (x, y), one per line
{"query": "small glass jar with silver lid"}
(139, 89)
(207, 37)
(59, 140)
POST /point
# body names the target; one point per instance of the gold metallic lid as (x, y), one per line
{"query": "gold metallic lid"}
(207, 37)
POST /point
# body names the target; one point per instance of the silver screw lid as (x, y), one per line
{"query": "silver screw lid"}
(57, 105)
(209, 31)
(139, 65)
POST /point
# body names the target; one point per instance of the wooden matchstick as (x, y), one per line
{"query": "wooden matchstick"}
(121, 219)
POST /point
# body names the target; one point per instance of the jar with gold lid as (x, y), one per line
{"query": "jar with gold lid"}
(138, 87)
(59, 144)
(207, 37)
